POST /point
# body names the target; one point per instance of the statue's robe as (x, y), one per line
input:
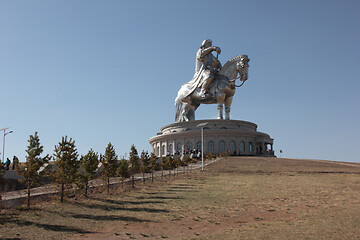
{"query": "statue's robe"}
(189, 87)
(186, 90)
(202, 63)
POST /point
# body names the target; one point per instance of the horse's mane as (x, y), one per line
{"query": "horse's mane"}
(229, 65)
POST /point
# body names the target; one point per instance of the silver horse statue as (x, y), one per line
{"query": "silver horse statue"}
(221, 91)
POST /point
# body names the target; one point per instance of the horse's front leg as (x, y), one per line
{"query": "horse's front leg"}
(228, 102)
(220, 101)
(191, 113)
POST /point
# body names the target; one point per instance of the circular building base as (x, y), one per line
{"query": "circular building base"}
(234, 136)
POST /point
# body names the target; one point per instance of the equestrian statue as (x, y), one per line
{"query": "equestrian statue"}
(211, 83)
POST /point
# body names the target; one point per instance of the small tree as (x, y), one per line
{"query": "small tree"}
(177, 164)
(109, 161)
(2, 172)
(183, 164)
(169, 164)
(123, 171)
(211, 156)
(163, 166)
(145, 163)
(187, 160)
(89, 164)
(66, 160)
(30, 169)
(153, 165)
(227, 153)
(134, 164)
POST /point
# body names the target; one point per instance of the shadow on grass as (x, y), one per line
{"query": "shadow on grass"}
(51, 227)
(117, 208)
(160, 197)
(4, 219)
(126, 202)
(185, 184)
(180, 190)
(159, 193)
(110, 218)
(182, 187)
(54, 212)
(149, 210)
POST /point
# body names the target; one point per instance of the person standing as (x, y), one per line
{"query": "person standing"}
(15, 162)
(7, 163)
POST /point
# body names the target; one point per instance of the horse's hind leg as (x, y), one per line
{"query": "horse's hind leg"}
(191, 114)
(188, 110)
(228, 102)
(220, 111)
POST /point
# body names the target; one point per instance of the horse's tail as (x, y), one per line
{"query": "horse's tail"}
(179, 105)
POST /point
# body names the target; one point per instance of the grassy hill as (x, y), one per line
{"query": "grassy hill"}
(235, 198)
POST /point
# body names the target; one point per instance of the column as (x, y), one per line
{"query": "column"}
(263, 148)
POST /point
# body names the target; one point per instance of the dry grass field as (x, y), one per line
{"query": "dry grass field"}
(235, 198)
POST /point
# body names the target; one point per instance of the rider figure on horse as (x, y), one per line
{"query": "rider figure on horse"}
(206, 63)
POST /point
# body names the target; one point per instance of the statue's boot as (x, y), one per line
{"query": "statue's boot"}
(202, 93)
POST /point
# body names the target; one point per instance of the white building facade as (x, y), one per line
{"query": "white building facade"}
(237, 137)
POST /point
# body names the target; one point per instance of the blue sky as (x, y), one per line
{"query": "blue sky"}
(109, 71)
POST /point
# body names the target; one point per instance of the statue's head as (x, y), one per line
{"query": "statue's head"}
(242, 67)
(206, 43)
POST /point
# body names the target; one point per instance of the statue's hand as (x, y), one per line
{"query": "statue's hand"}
(218, 50)
(214, 48)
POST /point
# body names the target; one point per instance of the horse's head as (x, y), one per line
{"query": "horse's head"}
(242, 67)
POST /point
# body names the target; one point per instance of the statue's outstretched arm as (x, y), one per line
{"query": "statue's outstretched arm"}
(208, 50)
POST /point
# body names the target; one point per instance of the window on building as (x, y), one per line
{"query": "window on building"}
(242, 146)
(179, 147)
(188, 146)
(163, 150)
(250, 147)
(199, 146)
(211, 147)
(171, 152)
